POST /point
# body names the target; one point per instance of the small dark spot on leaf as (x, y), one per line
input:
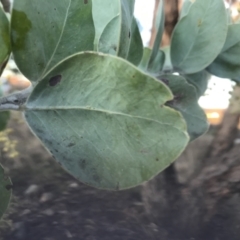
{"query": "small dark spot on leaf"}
(53, 81)
(16, 101)
(115, 48)
(55, 9)
(129, 34)
(9, 187)
(71, 144)
(133, 76)
(85, 1)
(157, 159)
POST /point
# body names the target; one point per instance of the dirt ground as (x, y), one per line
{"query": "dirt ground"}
(49, 204)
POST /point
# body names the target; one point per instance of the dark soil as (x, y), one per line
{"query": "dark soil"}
(59, 208)
(74, 212)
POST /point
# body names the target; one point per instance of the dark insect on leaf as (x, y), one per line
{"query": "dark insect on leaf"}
(55, 80)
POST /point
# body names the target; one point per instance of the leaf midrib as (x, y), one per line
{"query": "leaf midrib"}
(58, 42)
(102, 111)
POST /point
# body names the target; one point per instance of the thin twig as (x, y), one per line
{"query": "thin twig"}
(15, 101)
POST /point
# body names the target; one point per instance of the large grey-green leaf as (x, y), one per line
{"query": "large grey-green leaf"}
(46, 32)
(5, 45)
(227, 64)
(105, 121)
(186, 101)
(136, 45)
(116, 36)
(103, 13)
(199, 36)
(5, 191)
(199, 80)
(160, 20)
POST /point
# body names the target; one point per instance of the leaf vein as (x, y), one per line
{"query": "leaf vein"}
(59, 40)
